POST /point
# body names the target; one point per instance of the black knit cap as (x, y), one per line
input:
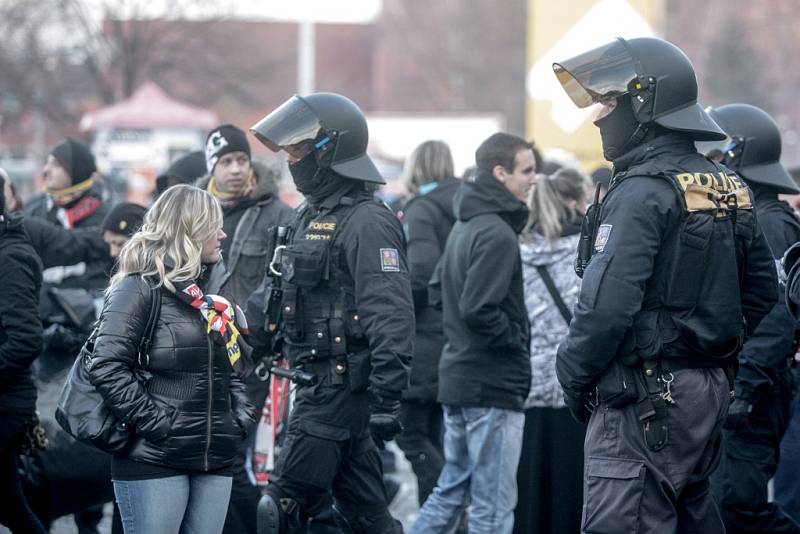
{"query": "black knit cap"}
(224, 140)
(76, 158)
(184, 170)
(125, 219)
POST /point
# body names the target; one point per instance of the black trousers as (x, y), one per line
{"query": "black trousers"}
(328, 449)
(630, 487)
(421, 442)
(550, 473)
(14, 510)
(749, 461)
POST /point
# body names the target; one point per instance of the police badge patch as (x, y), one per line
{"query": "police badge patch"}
(390, 260)
(603, 234)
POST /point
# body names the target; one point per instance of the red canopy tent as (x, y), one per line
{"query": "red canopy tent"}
(149, 107)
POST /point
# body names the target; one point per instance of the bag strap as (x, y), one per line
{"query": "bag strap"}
(551, 288)
(149, 329)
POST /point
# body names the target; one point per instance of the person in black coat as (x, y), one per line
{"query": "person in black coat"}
(72, 198)
(675, 274)
(760, 414)
(427, 222)
(185, 402)
(20, 344)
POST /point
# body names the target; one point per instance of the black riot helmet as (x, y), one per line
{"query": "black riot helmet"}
(754, 150)
(657, 76)
(329, 125)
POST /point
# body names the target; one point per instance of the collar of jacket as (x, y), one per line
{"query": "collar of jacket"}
(11, 223)
(486, 194)
(671, 143)
(351, 192)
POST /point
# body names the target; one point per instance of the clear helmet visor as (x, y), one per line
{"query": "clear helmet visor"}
(601, 73)
(292, 127)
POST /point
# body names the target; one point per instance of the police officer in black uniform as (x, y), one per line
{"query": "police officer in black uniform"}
(340, 284)
(759, 416)
(676, 273)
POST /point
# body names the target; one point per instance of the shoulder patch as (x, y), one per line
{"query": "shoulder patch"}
(390, 260)
(603, 233)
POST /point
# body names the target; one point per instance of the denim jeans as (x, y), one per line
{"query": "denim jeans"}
(186, 504)
(481, 450)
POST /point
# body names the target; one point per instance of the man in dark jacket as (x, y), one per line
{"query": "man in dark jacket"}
(20, 344)
(73, 199)
(678, 273)
(484, 372)
(250, 209)
(758, 418)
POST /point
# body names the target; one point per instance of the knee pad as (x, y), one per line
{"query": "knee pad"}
(277, 516)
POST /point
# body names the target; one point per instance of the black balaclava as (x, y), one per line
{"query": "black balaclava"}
(314, 182)
(617, 129)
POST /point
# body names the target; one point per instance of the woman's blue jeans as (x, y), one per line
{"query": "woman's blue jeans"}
(186, 504)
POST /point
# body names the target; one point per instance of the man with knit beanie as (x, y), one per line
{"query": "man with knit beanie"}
(72, 198)
(250, 207)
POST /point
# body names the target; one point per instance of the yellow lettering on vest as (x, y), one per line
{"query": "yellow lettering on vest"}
(704, 179)
(684, 179)
(737, 183)
(324, 226)
(723, 179)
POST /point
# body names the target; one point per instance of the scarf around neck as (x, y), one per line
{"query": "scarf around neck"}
(227, 199)
(221, 316)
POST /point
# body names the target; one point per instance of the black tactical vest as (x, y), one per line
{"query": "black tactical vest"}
(692, 303)
(319, 316)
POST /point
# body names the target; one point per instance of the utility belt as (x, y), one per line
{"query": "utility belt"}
(352, 369)
(648, 386)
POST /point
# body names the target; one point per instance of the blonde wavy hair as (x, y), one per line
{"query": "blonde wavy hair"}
(169, 244)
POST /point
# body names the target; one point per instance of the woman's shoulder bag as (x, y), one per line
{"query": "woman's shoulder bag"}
(81, 411)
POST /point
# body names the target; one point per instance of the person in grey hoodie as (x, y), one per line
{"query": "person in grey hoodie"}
(552, 442)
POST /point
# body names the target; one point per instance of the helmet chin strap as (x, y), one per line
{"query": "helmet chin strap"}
(635, 139)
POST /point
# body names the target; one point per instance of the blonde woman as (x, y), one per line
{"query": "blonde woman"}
(552, 447)
(187, 409)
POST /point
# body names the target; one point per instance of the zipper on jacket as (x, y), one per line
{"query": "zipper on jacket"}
(210, 399)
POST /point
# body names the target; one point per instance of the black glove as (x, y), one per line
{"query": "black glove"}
(579, 406)
(738, 413)
(384, 417)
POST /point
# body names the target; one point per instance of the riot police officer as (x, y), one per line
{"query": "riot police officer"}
(340, 306)
(676, 274)
(759, 416)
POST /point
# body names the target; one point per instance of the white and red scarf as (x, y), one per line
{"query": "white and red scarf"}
(222, 317)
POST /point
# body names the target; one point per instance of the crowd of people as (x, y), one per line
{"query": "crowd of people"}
(552, 351)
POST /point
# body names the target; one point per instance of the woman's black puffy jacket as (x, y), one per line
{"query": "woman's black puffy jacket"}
(188, 410)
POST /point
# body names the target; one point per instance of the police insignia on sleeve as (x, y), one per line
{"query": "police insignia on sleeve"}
(390, 260)
(603, 233)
